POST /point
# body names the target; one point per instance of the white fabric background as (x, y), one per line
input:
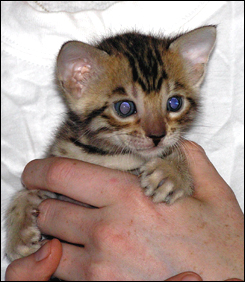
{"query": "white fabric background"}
(32, 33)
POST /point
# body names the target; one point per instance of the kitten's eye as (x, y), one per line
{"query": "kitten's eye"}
(174, 104)
(125, 108)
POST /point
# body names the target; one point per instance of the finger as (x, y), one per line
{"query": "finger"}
(42, 264)
(209, 185)
(185, 276)
(53, 214)
(74, 263)
(233, 279)
(84, 182)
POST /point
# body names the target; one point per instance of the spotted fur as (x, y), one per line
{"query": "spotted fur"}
(141, 68)
(130, 98)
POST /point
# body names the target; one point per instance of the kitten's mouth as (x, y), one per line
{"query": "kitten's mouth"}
(151, 151)
(147, 148)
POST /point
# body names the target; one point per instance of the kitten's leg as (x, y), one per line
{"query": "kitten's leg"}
(168, 179)
(23, 235)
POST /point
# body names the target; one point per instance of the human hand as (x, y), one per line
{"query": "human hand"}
(18, 269)
(37, 267)
(128, 237)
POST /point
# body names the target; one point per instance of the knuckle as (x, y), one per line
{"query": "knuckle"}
(198, 148)
(47, 212)
(59, 171)
(101, 232)
(105, 234)
(26, 175)
(191, 146)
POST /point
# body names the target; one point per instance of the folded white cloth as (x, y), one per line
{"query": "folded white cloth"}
(32, 33)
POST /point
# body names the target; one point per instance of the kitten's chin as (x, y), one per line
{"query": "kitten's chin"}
(152, 152)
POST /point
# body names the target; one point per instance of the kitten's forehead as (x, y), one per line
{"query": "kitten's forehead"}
(151, 63)
(145, 56)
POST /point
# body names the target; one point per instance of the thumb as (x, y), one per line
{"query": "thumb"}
(209, 185)
(38, 266)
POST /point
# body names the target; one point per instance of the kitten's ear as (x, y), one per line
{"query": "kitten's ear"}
(77, 64)
(195, 47)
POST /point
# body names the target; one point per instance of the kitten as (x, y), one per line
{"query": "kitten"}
(130, 98)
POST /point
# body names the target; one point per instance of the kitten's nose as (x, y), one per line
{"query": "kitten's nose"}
(156, 139)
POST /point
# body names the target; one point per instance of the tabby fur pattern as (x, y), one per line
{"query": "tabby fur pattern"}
(130, 98)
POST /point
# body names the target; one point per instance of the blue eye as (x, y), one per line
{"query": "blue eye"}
(174, 104)
(125, 108)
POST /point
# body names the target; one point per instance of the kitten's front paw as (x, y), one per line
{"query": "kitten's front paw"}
(163, 182)
(23, 235)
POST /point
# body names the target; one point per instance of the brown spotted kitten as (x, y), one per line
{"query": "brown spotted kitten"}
(130, 98)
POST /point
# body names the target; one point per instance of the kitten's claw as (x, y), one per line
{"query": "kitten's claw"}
(161, 182)
(23, 235)
(35, 212)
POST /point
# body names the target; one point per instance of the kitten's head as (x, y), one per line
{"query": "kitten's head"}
(134, 92)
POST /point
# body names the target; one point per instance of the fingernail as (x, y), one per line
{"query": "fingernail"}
(190, 278)
(43, 253)
(22, 182)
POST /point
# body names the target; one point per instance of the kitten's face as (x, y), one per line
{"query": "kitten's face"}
(133, 93)
(146, 123)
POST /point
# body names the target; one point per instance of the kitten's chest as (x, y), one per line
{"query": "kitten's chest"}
(124, 162)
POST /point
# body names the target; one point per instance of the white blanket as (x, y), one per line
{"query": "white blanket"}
(32, 33)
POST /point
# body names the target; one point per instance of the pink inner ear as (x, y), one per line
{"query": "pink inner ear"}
(195, 47)
(73, 76)
(78, 76)
(196, 54)
(78, 71)
(73, 69)
(75, 61)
